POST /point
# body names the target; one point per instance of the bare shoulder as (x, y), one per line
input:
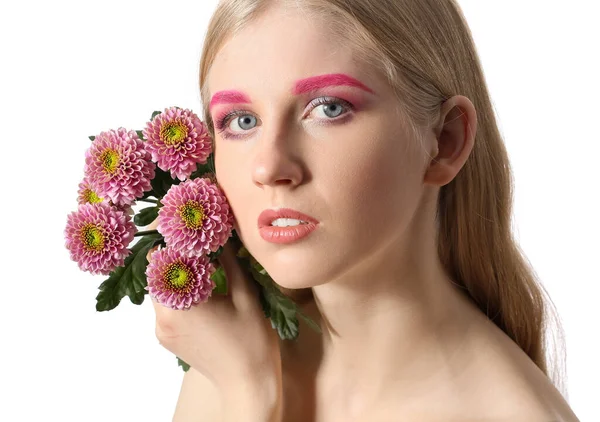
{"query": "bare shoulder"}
(198, 400)
(492, 380)
(506, 385)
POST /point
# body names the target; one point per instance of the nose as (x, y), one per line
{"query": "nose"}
(275, 162)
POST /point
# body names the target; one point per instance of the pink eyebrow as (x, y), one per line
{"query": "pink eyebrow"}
(334, 79)
(302, 86)
(227, 97)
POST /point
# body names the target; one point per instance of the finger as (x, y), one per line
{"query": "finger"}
(169, 320)
(153, 225)
(158, 308)
(168, 325)
(161, 310)
(150, 252)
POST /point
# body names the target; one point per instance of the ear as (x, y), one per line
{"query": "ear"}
(455, 136)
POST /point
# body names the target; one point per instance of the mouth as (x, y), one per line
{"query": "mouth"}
(284, 217)
(285, 225)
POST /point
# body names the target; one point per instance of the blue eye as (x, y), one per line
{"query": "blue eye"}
(332, 108)
(244, 121)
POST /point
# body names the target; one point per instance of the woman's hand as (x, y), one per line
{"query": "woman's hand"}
(227, 339)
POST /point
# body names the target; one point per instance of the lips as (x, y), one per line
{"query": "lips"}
(285, 235)
(267, 216)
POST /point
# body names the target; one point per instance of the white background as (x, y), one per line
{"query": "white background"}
(73, 69)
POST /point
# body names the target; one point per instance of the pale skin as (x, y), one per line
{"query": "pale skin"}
(400, 341)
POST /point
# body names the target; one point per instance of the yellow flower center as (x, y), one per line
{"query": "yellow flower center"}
(89, 196)
(192, 214)
(177, 276)
(92, 237)
(173, 133)
(110, 160)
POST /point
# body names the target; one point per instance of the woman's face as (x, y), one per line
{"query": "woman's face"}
(349, 162)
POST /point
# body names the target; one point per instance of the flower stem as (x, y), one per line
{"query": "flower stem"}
(152, 201)
(145, 232)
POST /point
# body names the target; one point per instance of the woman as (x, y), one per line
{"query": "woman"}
(371, 118)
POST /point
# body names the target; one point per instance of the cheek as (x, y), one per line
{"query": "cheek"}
(241, 206)
(228, 177)
(381, 185)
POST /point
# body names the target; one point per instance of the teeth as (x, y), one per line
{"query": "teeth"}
(286, 222)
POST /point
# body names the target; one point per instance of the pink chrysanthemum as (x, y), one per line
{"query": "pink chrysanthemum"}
(97, 236)
(118, 167)
(178, 141)
(86, 195)
(195, 217)
(177, 280)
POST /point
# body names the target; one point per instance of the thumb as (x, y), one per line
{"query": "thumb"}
(150, 252)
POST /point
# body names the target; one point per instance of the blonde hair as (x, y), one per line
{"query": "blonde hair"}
(426, 51)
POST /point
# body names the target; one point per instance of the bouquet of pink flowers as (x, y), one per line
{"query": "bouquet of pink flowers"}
(168, 165)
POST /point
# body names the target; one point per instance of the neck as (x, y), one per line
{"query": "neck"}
(394, 318)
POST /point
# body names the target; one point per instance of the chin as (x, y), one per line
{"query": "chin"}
(291, 279)
(300, 266)
(302, 274)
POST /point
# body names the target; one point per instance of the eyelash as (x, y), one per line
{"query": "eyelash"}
(223, 122)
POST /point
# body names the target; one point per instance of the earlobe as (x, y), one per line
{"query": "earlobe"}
(455, 139)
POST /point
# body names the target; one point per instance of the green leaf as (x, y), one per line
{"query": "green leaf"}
(235, 237)
(140, 134)
(147, 194)
(243, 253)
(220, 280)
(201, 170)
(282, 310)
(309, 321)
(276, 306)
(156, 113)
(266, 307)
(92, 138)
(207, 167)
(146, 216)
(214, 255)
(211, 163)
(183, 365)
(161, 183)
(128, 280)
(279, 308)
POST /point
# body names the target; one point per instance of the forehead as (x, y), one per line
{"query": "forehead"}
(279, 48)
